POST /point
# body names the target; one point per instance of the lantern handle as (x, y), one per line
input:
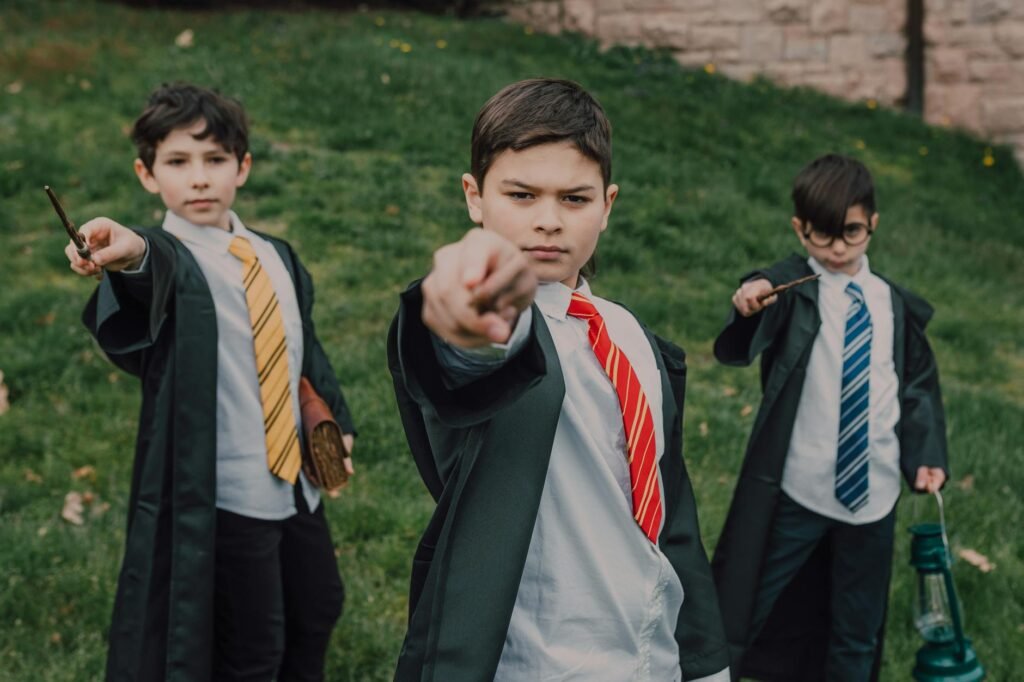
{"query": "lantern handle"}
(942, 524)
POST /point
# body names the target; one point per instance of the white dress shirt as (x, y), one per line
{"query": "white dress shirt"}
(244, 483)
(810, 471)
(597, 600)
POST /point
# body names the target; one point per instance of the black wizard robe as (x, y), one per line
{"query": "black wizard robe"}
(793, 641)
(161, 327)
(483, 452)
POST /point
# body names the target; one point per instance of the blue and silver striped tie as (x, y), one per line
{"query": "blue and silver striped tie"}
(852, 461)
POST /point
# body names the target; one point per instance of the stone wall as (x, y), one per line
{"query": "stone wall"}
(855, 49)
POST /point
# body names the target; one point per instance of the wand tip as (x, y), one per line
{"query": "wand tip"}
(46, 188)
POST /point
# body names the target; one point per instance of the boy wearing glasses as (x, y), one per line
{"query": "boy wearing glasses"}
(850, 401)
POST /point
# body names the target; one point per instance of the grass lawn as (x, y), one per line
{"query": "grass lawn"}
(360, 133)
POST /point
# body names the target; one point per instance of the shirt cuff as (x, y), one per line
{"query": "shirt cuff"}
(143, 266)
(461, 366)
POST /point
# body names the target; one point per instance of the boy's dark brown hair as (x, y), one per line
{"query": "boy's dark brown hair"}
(539, 111)
(827, 187)
(178, 105)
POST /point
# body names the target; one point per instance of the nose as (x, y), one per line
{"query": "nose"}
(199, 178)
(547, 218)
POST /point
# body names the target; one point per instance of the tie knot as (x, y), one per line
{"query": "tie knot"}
(581, 307)
(241, 248)
(854, 291)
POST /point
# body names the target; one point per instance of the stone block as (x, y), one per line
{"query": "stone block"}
(802, 45)
(870, 19)
(788, 11)
(835, 84)
(714, 38)
(619, 29)
(693, 60)
(845, 50)
(947, 65)
(1010, 37)
(739, 11)
(936, 30)
(665, 29)
(987, 70)
(580, 16)
(987, 11)
(886, 44)
(761, 43)
(830, 16)
(954, 105)
(1003, 114)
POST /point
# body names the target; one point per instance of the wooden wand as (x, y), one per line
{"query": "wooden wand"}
(76, 237)
(788, 285)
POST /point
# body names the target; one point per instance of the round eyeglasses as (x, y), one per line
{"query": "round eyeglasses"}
(854, 234)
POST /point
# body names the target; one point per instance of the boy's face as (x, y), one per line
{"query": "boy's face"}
(196, 179)
(839, 256)
(550, 201)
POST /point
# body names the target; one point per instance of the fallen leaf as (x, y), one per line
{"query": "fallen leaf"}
(43, 530)
(185, 39)
(55, 638)
(85, 84)
(747, 410)
(113, 377)
(976, 559)
(32, 477)
(703, 429)
(729, 391)
(4, 402)
(99, 510)
(966, 483)
(391, 209)
(88, 497)
(47, 319)
(87, 471)
(14, 87)
(72, 511)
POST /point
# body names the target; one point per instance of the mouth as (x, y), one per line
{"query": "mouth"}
(201, 203)
(545, 252)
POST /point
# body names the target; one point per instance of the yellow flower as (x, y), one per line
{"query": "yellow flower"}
(406, 48)
(528, 30)
(988, 161)
(441, 44)
(872, 104)
(923, 151)
(709, 68)
(379, 21)
(859, 144)
(395, 42)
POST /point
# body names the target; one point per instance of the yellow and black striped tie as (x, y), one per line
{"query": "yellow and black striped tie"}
(283, 455)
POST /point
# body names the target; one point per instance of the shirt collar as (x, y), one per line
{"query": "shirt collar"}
(841, 279)
(212, 238)
(553, 297)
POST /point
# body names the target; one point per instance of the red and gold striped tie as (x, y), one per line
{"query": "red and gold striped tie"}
(641, 446)
(283, 454)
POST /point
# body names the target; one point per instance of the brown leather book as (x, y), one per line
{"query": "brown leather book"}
(325, 460)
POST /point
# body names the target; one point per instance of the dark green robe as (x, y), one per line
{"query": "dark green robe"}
(483, 453)
(163, 329)
(792, 645)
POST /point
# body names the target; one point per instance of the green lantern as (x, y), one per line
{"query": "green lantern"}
(947, 655)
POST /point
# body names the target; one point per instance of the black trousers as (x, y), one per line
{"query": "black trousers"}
(277, 596)
(860, 563)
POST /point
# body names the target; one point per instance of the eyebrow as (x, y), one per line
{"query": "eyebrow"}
(530, 188)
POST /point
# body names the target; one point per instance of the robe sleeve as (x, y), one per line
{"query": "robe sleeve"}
(922, 416)
(744, 338)
(419, 374)
(127, 311)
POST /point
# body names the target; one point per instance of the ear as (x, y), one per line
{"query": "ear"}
(146, 177)
(474, 202)
(610, 195)
(243, 170)
(874, 221)
(798, 227)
